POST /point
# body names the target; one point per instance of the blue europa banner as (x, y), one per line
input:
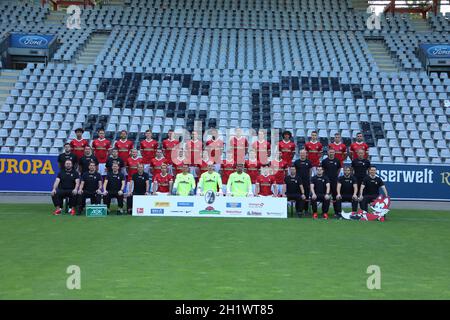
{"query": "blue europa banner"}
(416, 182)
(30, 41)
(27, 173)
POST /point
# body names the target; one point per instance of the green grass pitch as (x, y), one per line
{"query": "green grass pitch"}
(123, 257)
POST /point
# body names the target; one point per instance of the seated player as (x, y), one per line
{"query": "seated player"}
(293, 190)
(239, 183)
(266, 183)
(347, 191)
(184, 184)
(113, 187)
(252, 167)
(370, 188)
(66, 186)
(210, 181)
(90, 187)
(139, 185)
(162, 181)
(227, 168)
(320, 192)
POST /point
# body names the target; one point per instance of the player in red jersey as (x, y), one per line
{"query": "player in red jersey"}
(162, 181)
(278, 167)
(204, 166)
(252, 166)
(157, 162)
(265, 183)
(101, 147)
(262, 147)
(314, 149)
(339, 148)
(168, 145)
(132, 163)
(227, 168)
(239, 146)
(195, 150)
(286, 147)
(214, 146)
(124, 146)
(78, 144)
(148, 148)
(359, 144)
(179, 162)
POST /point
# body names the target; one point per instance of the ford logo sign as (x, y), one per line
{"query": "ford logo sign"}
(442, 50)
(210, 197)
(33, 41)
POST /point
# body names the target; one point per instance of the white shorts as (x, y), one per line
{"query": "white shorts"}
(124, 172)
(254, 188)
(102, 169)
(224, 189)
(162, 193)
(147, 168)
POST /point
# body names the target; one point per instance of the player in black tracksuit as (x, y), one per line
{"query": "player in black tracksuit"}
(139, 186)
(370, 188)
(67, 155)
(331, 167)
(113, 187)
(320, 192)
(86, 159)
(303, 168)
(347, 191)
(66, 186)
(90, 187)
(293, 189)
(360, 167)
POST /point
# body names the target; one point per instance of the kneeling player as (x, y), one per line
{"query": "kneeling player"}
(320, 192)
(266, 184)
(347, 191)
(65, 186)
(90, 187)
(139, 186)
(162, 181)
(113, 187)
(209, 181)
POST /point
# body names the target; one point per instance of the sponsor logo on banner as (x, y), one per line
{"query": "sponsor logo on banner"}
(185, 204)
(407, 176)
(209, 210)
(233, 211)
(176, 211)
(254, 213)
(274, 213)
(157, 211)
(234, 205)
(256, 205)
(160, 204)
(439, 50)
(140, 210)
(445, 178)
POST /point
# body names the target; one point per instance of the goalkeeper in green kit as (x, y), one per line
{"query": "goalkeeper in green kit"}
(209, 181)
(184, 184)
(239, 183)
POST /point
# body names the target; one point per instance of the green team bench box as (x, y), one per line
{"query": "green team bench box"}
(96, 210)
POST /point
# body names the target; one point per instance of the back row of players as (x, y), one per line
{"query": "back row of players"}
(306, 180)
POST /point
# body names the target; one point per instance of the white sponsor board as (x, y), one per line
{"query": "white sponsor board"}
(209, 206)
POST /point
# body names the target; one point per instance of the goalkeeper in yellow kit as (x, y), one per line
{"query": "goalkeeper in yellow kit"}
(184, 184)
(239, 183)
(209, 181)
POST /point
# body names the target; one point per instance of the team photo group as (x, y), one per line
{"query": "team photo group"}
(312, 175)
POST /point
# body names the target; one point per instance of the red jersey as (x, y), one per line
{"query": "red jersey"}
(341, 150)
(78, 147)
(252, 169)
(279, 170)
(227, 169)
(168, 146)
(195, 149)
(215, 147)
(163, 182)
(204, 166)
(265, 185)
(287, 150)
(156, 165)
(239, 147)
(148, 150)
(124, 149)
(101, 148)
(355, 146)
(178, 165)
(314, 152)
(262, 149)
(132, 164)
